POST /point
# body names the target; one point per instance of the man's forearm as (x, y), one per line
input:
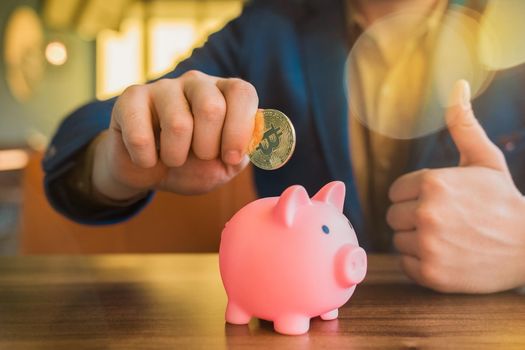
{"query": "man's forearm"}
(81, 179)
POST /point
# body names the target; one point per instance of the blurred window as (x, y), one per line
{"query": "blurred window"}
(153, 37)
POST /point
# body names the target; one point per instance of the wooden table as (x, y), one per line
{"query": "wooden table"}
(177, 302)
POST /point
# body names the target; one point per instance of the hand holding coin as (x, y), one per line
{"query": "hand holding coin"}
(186, 135)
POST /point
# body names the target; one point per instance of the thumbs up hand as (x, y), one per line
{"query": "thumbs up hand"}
(461, 229)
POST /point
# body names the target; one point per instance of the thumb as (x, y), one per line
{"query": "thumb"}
(474, 146)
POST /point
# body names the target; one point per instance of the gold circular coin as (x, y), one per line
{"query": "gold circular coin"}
(277, 142)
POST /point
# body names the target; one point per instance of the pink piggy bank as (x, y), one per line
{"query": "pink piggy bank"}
(290, 258)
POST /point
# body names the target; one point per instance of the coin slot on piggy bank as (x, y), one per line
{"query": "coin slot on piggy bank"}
(290, 258)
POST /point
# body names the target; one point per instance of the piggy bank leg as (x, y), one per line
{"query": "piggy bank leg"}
(236, 315)
(330, 315)
(292, 324)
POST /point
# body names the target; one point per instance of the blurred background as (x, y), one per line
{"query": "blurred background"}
(57, 55)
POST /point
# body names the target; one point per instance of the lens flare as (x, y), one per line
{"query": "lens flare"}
(401, 70)
(501, 43)
(56, 53)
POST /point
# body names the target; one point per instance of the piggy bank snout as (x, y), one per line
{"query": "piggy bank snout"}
(351, 265)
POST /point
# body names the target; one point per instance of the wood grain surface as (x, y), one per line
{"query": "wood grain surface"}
(178, 302)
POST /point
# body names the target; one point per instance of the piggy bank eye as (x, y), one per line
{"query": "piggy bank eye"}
(326, 229)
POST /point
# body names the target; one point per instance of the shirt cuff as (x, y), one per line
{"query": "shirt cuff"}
(80, 182)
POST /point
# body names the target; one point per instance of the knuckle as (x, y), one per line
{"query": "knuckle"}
(426, 217)
(242, 89)
(164, 83)
(180, 126)
(212, 110)
(427, 246)
(127, 106)
(132, 91)
(432, 183)
(193, 74)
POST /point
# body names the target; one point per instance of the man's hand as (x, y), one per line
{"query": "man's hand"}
(185, 135)
(461, 229)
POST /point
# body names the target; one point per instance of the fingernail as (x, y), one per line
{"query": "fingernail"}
(232, 157)
(461, 95)
(244, 161)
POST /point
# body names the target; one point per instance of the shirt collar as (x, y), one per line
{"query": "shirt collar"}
(357, 21)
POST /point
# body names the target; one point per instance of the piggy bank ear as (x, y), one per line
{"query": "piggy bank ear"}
(333, 193)
(292, 199)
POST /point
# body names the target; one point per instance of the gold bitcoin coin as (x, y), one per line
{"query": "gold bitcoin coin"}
(277, 141)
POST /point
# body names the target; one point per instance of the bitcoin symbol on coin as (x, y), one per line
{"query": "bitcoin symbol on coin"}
(270, 141)
(277, 143)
